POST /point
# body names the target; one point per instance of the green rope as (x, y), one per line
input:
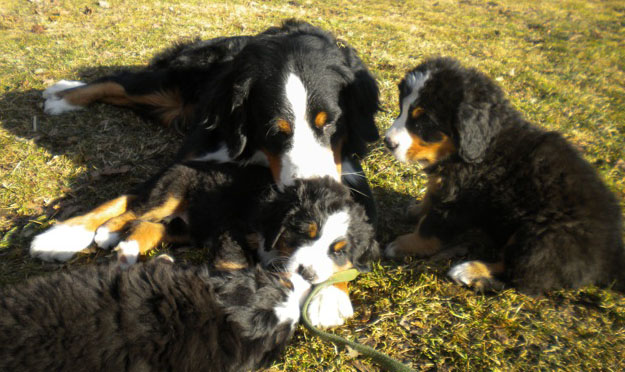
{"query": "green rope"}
(385, 361)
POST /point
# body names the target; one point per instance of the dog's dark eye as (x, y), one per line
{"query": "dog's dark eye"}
(337, 247)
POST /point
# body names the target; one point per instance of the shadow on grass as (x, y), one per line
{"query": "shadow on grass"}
(112, 148)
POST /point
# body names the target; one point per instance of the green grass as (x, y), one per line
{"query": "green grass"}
(561, 62)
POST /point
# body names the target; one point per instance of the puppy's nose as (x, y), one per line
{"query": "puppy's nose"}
(306, 272)
(390, 144)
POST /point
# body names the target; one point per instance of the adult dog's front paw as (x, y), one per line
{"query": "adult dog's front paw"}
(60, 242)
(330, 307)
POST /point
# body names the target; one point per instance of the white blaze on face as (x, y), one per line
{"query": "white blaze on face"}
(398, 133)
(316, 256)
(306, 158)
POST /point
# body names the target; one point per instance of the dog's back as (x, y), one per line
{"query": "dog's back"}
(155, 316)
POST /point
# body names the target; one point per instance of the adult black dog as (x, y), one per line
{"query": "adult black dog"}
(518, 197)
(293, 98)
(151, 317)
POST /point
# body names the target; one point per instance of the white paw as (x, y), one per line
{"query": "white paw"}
(60, 242)
(55, 105)
(461, 273)
(330, 307)
(288, 311)
(127, 253)
(391, 250)
(104, 238)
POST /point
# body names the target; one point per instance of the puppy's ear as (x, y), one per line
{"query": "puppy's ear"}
(365, 248)
(370, 254)
(359, 101)
(272, 215)
(475, 131)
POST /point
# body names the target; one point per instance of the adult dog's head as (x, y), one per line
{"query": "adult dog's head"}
(297, 98)
(445, 110)
(315, 229)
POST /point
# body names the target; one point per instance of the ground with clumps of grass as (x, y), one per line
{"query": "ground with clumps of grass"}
(561, 62)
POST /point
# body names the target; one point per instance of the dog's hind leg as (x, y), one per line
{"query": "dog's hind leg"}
(155, 94)
(147, 231)
(65, 239)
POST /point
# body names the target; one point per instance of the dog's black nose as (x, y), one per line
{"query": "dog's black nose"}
(390, 144)
(306, 272)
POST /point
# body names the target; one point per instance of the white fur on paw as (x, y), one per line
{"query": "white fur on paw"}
(330, 307)
(60, 242)
(288, 311)
(164, 257)
(461, 273)
(127, 253)
(104, 238)
(55, 105)
(391, 250)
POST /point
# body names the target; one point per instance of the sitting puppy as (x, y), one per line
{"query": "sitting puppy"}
(152, 317)
(313, 227)
(519, 198)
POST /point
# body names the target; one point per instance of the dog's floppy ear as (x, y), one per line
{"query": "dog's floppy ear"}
(479, 115)
(474, 132)
(272, 215)
(365, 248)
(359, 102)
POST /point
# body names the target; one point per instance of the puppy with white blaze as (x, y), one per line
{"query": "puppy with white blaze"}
(153, 317)
(521, 201)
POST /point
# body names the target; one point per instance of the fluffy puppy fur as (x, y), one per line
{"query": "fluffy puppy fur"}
(152, 317)
(313, 227)
(521, 199)
(292, 98)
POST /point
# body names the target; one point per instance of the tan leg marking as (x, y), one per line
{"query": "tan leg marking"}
(96, 217)
(414, 245)
(168, 105)
(478, 275)
(171, 206)
(108, 92)
(147, 235)
(117, 224)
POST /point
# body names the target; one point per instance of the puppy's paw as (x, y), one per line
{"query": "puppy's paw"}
(476, 275)
(105, 239)
(412, 245)
(392, 250)
(330, 307)
(55, 104)
(60, 242)
(127, 253)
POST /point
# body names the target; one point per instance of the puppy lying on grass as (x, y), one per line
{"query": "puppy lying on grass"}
(152, 317)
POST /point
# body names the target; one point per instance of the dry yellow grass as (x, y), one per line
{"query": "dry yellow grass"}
(561, 62)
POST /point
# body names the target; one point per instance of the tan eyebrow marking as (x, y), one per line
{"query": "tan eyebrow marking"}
(320, 119)
(339, 245)
(416, 112)
(284, 126)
